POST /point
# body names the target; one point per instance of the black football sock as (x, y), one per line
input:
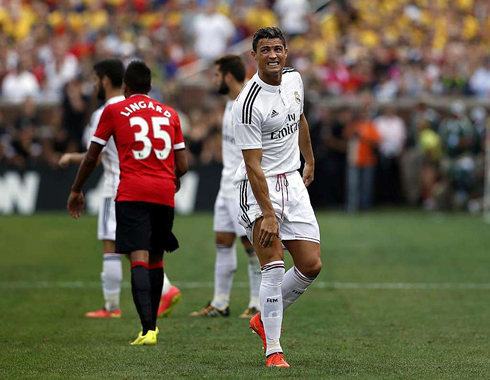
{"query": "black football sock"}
(141, 289)
(156, 280)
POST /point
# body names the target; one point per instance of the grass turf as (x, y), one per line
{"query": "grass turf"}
(333, 333)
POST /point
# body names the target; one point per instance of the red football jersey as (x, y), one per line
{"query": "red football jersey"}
(146, 134)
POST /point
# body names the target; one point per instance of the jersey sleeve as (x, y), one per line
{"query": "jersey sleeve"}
(105, 127)
(179, 138)
(247, 126)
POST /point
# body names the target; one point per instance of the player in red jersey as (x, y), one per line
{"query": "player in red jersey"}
(152, 158)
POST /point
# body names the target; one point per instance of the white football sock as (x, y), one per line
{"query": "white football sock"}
(294, 285)
(111, 277)
(224, 271)
(271, 304)
(254, 278)
(166, 284)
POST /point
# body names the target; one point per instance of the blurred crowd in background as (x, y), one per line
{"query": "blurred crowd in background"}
(378, 51)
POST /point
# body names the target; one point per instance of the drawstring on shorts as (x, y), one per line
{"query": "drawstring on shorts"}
(281, 185)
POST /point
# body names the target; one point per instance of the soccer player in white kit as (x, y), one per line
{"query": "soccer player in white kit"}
(229, 75)
(108, 80)
(271, 129)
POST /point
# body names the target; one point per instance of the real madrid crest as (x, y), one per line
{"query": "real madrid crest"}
(296, 96)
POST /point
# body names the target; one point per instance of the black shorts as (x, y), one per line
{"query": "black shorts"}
(144, 226)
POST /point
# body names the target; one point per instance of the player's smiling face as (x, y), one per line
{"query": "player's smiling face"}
(270, 56)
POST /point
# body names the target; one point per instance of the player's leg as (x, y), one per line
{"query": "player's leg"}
(141, 289)
(307, 266)
(133, 237)
(111, 275)
(224, 269)
(301, 236)
(253, 266)
(162, 239)
(155, 271)
(272, 266)
(226, 261)
(254, 278)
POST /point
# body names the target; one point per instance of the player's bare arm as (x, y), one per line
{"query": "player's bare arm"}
(306, 151)
(73, 158)
(269, 227)
(70, 158)
(181, 167)
(76, 202)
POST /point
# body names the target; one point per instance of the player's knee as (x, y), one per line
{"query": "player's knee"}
(223, 240)
(313, 269)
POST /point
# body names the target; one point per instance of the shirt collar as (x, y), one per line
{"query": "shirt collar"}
(115, 99)
(139, 95)
(265, 86)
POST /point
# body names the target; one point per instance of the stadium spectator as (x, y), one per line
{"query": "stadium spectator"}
(61, 67)
(259, 15)
(457, 135)
(20, 83)
(392, 133)
(213, 32)
(293, 16)
(333, 154)
(362, 141)
(75, 112)
(480, 80)
(419, 156)
(28, 117)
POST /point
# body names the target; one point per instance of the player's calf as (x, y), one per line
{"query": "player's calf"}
(271, 304)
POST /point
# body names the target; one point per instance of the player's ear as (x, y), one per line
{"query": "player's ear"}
(228, 77)
(149, 88)
(253, 55)
(106, 81)
(125, 89)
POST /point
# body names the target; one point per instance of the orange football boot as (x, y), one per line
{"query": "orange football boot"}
(104, 313)
(168, 302)
(258, 327)
(277, 360)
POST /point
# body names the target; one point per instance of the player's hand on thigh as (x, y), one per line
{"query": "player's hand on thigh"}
(308, 174)
(269, 229)
(76, 204)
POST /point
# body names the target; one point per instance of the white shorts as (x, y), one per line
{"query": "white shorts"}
(226, 216)
(106, 225)
(291, 203)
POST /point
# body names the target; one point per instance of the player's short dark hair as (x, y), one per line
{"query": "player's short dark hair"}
(138, 77)
(268, 33)
(112, 68)
(233, 64)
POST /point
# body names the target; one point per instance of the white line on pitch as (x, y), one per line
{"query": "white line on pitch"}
(15, 285)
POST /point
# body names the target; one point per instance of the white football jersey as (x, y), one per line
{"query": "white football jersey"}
(267, 117)
(232, 156)
(110, 158)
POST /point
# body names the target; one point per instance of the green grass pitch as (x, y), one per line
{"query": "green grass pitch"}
(403, 295)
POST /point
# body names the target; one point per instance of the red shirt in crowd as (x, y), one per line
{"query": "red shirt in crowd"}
(146, 134)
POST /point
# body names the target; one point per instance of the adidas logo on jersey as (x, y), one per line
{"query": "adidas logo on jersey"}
(274, 113)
